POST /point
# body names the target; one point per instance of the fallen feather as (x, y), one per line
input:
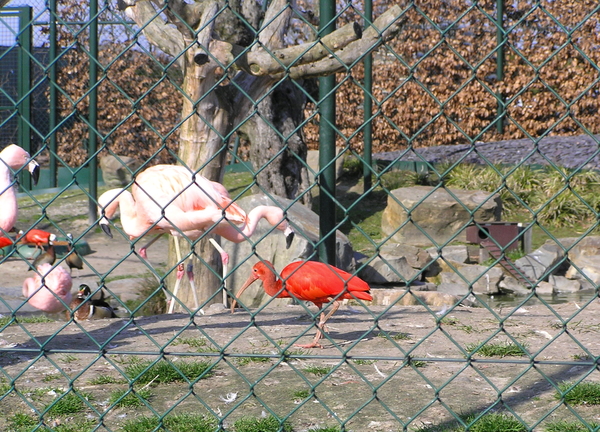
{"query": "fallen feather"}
(230, 397)
(379, 372)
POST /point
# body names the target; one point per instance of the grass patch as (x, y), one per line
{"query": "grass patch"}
(70, 403)
(151, 299)
(243, 361)
(497, 349)
(174, 423)
(68, 358)
(566, 426)
(317, 370)
(301, 394)
(200, 343)
(193, 342)
(488, 423)
(51, 377)
(362, 362)
(129, 399)
(165, 372)
(583, 393)
(267, 424)
(106, 379)
(29, 319)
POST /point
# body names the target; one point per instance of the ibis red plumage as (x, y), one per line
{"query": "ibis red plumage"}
(309, 281)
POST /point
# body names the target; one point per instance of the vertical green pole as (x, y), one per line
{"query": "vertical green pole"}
(368, 106)
(53, 94)
(93, 120)
(24, 85)
(500, 39)
(327, 146)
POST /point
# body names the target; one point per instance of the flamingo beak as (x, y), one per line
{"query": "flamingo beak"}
(248, 282)
(105, 227)
(34, 170)
(289, 236)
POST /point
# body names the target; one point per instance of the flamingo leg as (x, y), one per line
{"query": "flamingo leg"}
(225, 261)
(321, 327)
(180, 272)
(142, 250)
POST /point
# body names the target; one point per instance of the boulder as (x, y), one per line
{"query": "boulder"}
(457, 253)
(390, 269)
(268, 244)
(116, 170)
(535, 264)
(395, 264)
(401, 297)
(564, 285)
(487, 280)
(312, 160)
(510, 285)
(443, 216)
(585, 261)
(545, 288)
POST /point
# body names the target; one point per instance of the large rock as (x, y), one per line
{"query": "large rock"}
(396, 263)
(585, 261)
(487, 280)
(272, 247)
(401, 297)
(535, 265)
(438, 213)
(116, 171)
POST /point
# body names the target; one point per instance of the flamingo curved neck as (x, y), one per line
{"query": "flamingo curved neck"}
(238, 234)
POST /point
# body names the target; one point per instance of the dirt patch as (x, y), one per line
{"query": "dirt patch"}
(388, 367)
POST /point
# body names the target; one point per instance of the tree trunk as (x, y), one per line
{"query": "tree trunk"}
(277, 143)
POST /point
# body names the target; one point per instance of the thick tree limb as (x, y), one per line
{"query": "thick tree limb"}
(277, 20)
(158, 32)
(384, 28)
(265, 63)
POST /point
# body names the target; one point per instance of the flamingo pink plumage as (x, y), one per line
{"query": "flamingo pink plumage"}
(309, 281)
(171, 199)
(12, 157)
(44, 289)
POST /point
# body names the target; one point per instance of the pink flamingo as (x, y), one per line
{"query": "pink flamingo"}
(171, 199)
(12, 157)
(45, 288)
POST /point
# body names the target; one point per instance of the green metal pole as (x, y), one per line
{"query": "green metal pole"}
(53, 94)
(327, 146)
(93, 119)
(368, 107)
(24, 85)
(500, 38)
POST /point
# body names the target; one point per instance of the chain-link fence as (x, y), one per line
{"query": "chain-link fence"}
(456, 174)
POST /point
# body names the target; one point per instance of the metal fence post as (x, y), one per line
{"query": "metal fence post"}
(327, 146)
(368, 106)
(92, 112)
(500, 38)
(53, 95)
(24, 85)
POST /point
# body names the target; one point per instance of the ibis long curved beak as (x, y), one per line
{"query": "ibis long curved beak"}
(34, 170)
(253, 278)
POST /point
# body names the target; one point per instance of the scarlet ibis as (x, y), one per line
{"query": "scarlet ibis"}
(44, 290)
(172, 199)
(37, 237)
(73, 259)
(309, 281)
(12, 157)
(90, 308)
(5, 241)
(48, 257)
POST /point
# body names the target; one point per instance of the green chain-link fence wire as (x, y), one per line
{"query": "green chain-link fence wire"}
(433, 82)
